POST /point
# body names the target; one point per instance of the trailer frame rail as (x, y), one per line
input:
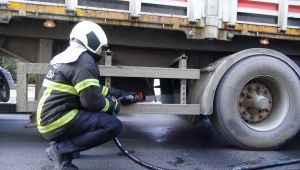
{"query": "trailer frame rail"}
(182, 73)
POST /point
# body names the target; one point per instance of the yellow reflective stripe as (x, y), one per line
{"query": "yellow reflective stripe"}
(106, 106)
(59, 87)
(59, 122)
(86, 83)
(117, 103)
(46, 94)
(104, 90)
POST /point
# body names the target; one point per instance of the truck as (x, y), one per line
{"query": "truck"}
(233, 61)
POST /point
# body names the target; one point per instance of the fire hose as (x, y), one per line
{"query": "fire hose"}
(139, 97)
(269, 165)
(134, 158)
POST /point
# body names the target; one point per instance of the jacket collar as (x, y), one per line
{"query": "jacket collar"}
(71, 54)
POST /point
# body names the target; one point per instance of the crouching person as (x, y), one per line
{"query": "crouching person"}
(75, 110)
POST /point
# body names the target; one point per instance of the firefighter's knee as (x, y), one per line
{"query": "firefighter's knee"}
(115, 127)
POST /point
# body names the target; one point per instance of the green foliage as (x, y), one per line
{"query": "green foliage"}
(31, 79)
(9, 64)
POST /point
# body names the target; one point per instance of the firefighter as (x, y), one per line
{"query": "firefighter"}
(75, 110)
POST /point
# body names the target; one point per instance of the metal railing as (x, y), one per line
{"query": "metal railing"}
(182, 73)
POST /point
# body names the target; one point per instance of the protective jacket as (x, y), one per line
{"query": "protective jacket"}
(69, 88)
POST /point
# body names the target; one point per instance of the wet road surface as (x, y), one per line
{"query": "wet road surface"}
(164, 140)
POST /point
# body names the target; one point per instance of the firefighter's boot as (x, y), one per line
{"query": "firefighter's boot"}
(61, 161)
(75, 155)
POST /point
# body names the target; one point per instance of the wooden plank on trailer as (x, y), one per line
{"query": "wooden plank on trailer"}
(127, 71)
(178, 109)
(146, 108)
(149, 72)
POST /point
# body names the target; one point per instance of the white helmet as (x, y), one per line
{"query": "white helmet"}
(90, 35)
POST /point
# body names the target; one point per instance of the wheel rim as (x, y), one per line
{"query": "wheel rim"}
(263, 103)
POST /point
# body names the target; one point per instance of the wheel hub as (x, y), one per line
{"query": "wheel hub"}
(255, 102)
(261, 102)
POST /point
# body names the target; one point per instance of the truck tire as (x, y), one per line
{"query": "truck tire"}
(297, 62)
(257, 104)
(4, 88)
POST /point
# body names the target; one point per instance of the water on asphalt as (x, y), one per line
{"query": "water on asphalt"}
(164, 140)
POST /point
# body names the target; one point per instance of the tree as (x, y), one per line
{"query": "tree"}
(9, 64)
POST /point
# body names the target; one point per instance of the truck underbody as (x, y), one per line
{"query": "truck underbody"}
(199, 59)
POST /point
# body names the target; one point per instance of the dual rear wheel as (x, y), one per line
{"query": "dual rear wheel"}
(257, 104)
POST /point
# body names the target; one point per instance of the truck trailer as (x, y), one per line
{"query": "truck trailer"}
(233, 61)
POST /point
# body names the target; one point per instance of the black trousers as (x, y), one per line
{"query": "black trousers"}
(89, 130)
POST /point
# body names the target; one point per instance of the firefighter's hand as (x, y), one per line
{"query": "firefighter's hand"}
(127, 100)
(131, 98)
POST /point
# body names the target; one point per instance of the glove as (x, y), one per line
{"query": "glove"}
(115, 105)
(116, 108)
(131, 98)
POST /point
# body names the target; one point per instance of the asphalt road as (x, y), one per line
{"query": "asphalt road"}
(164, 140)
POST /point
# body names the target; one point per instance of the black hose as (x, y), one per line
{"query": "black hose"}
(135, 159)
(269, 165)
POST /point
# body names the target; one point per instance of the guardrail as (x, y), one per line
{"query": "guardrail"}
(182, 73)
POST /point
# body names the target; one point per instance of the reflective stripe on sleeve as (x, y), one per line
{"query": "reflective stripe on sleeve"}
(106, 105)
(86, 83)
(116, 104)
(46, 94)
(59, 122)
(59, 87)
(104, 90)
